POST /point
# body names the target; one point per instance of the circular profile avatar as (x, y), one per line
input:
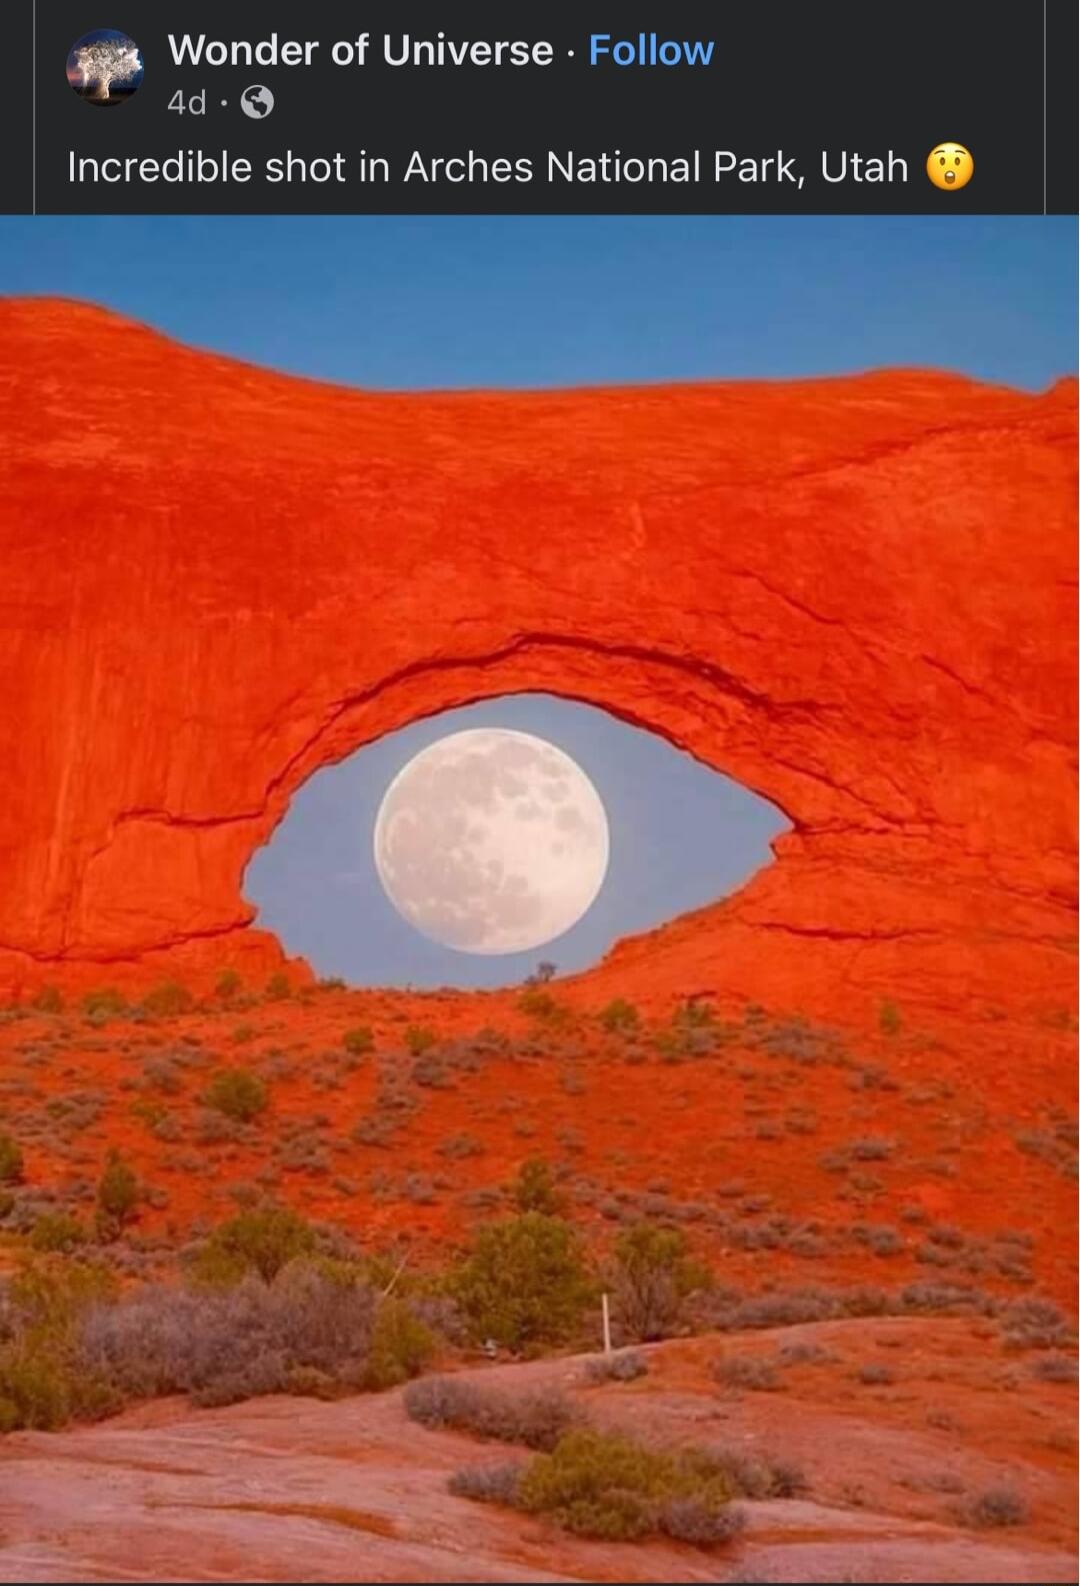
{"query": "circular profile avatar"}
(105, 67)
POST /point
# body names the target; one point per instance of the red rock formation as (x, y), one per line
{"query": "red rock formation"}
(853, 595)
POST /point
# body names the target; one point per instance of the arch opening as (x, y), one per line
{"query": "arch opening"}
(681, 835)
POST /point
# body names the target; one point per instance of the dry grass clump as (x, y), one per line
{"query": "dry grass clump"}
(536, 1419)
(626, 1365)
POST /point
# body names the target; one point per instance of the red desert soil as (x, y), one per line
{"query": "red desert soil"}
(284, 1489)
(774, 1149)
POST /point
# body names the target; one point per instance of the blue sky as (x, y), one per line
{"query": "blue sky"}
(522, 302)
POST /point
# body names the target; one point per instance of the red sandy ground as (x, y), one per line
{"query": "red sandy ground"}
(709, 1131)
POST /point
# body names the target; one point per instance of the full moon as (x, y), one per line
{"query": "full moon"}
(491, 841)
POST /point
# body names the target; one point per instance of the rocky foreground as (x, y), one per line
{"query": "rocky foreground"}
(930, 1452)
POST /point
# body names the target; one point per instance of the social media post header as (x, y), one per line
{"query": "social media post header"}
(784, 108)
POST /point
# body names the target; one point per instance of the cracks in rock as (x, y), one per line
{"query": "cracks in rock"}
(66, 955)
(833, 934)
(717, 677)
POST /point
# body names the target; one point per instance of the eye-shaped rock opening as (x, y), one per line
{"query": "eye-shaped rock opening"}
(469, 847)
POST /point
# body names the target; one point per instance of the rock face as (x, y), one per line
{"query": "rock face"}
(854, 595)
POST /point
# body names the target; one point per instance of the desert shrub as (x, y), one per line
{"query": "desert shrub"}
(544, 971)
(58, 1233)
(872, 1148)
(237, 1093)
(693, 1014)
(419, 1039)
(50, 999)
(488, 1483)
(11, 1159)
(624, 1366)
(277, 987)
(536, 1419)
(703, 1523)
(652, 1274)
(457, 1147)
(228, 985)
(358, 1040)
(117, 1195)
(105, 1002)
(997, 1506)
(758, 1476)
(740, 1371)
(803, 1353)
(431, 1072)
(1034, 1323)
(534, 1189)
(262, 1241)
(875, 1374)
(603, 1485)
(224, 1345)
(37, 1391)
(168, 1000)
(1055, 1368)
(620, 1017)
(41, 1386)
(543, 1007)
(401, 1346)
(524, 1283)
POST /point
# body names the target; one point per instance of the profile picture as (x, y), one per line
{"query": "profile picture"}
(105, 67)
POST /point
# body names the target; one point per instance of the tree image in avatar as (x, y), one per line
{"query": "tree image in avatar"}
(105, 67)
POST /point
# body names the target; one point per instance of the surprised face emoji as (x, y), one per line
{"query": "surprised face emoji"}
(949, 166)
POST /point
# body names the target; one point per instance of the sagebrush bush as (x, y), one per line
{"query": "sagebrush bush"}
(698, 1521)
(237, 1093)
(997, 1506)
(758, 1476)
(740, 1371)
(488, 1483)
(223, 1345)
(535, 1419)
(626, 1365)
(524, 1283)
(359, 1040)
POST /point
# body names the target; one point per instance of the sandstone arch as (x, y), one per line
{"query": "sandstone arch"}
(850, 594)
